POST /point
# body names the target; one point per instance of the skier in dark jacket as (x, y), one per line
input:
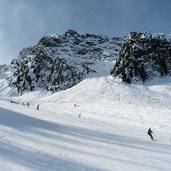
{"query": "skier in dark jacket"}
(38, 107)
(150, 133)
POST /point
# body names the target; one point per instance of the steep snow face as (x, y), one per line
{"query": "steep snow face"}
(5, 71)
(5, 75)
(59, 62)
(143, 57)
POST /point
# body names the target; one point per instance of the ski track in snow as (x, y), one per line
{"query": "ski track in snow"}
(98, 125)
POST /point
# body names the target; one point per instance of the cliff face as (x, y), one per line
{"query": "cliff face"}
(143, 57)
(59, 62)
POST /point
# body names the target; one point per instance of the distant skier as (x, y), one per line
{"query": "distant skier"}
(38, 107)
(150, 132)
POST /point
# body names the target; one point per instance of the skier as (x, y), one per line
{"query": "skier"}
(150, 133)
(38, 107)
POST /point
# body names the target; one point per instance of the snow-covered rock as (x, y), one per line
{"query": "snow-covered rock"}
(144, 56)
(58, 62)
(5, 71)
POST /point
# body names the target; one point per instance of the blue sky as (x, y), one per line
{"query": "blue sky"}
(24, 22)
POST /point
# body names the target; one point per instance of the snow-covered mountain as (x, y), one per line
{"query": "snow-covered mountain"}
(59, 62)
(143, 57)
(99, 124)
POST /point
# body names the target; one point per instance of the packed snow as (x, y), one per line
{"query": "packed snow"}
(98, 125)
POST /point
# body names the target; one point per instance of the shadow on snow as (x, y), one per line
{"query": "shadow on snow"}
(75, 135)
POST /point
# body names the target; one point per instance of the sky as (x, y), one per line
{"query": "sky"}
(24, 22)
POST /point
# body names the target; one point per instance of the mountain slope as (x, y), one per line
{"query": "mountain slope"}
(59, 62)
(99, 124)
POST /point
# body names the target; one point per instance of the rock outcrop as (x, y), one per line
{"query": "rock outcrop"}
(143, 57)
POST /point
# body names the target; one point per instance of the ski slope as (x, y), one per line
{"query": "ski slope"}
(98, 125)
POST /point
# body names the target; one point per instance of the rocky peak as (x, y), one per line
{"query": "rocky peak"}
(71, 33)
(58, 62)
(143, 57)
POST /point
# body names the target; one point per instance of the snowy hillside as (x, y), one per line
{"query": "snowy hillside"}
(99, 124)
